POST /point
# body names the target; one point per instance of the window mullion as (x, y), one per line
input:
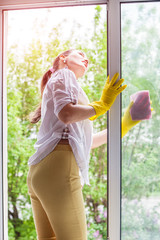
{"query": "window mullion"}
(114, 128)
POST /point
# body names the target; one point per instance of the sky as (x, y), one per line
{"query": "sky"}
(23, 25)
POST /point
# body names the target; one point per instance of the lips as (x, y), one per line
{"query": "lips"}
(85, 63)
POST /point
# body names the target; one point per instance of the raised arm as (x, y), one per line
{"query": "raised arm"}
(75, 112)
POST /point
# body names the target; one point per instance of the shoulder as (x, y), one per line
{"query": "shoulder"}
(63, 74)
(68, 77)
(63, 78)
(67, 74)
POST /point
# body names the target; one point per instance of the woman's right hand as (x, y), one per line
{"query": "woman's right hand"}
(110, 91)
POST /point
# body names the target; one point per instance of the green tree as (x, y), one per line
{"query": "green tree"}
(140, 71)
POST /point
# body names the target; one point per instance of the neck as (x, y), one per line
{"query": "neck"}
(65, 66)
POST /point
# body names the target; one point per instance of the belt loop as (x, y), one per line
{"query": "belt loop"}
(65, 133)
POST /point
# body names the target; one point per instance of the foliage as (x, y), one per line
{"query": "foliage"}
(145, 225)
(140, 157)
(140, 149)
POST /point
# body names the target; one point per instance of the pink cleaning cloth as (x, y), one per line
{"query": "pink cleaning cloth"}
(141, 109)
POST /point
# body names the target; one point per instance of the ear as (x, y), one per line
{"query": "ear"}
(62, 57)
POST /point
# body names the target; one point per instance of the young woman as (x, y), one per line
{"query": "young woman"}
(59, 167)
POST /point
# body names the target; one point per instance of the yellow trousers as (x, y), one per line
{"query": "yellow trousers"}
(56, 196)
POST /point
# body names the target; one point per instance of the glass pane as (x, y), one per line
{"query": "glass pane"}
(141, 144)
(35, 37)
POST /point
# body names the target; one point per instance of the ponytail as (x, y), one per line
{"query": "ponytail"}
(35, 116)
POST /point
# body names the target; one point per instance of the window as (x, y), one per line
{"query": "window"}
(132, 171)
(140, 148)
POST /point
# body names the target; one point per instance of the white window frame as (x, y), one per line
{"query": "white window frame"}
(114, 115)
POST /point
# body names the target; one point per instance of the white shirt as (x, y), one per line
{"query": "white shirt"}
(61, 89)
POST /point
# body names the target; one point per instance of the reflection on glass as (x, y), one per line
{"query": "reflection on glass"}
(141, 145)
(34, 38)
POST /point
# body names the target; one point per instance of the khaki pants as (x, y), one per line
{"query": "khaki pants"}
(56, 196)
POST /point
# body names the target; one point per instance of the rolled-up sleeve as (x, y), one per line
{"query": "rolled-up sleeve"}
(64, 90)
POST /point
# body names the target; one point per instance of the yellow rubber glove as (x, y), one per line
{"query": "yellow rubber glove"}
(109, 94)
(127, 122)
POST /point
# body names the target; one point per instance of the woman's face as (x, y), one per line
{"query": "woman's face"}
(77, 62)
